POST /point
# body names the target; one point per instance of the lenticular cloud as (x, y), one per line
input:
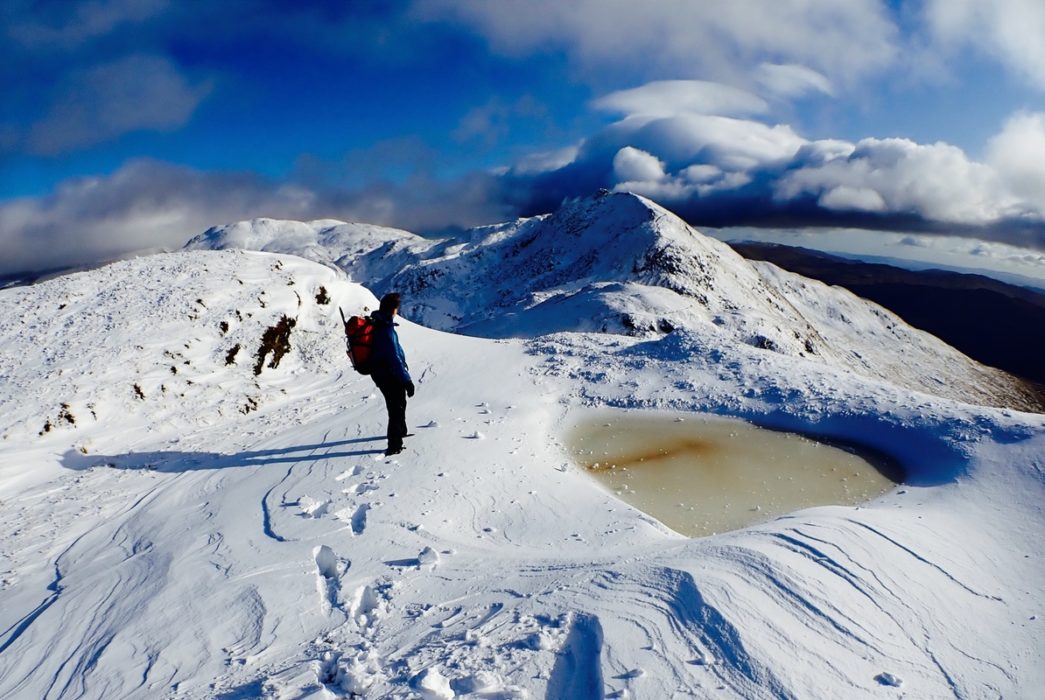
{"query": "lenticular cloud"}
(724, 169)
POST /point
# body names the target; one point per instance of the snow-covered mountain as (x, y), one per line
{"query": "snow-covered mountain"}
(619, 263)
(182, 516)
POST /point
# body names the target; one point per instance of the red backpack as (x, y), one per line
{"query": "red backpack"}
(359, 332)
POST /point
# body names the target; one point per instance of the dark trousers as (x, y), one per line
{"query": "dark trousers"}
(395, 401)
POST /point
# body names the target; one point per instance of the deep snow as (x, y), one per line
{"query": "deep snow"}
(187, 529)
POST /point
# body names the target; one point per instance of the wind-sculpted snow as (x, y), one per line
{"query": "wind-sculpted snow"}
(188, 529)
(618, 263)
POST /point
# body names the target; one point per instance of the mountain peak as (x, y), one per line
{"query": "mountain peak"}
(618, 208)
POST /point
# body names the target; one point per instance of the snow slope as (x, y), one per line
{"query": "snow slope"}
(620, 263)
(216, 533)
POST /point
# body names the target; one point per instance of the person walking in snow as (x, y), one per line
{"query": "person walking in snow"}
(390, 371)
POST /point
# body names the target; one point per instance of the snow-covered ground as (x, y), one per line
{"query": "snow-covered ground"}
(174, 525)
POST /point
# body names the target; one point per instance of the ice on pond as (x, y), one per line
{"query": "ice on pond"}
(707, 474)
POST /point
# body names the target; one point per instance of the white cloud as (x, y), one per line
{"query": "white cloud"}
(545, 161)
(631, 164)
(694, 181)
(149, 205)
(913, 241)
(701, 174)
(133, 93)
(727, 168)
(73, 22)
(671, 97)
(1018, 154)
(823, 151)
(938, 182)
(848, 198)
(1012, 31)
(792, 81)
(143, 205)
(726, 142)
(843, 40)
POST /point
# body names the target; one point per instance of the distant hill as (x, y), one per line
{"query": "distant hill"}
(20, 279)
(999, 324)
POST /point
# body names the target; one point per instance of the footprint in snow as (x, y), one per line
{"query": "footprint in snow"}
(427, 557)
(355, 517)
(369, 603)
(889, 680)
(358, 521)
(355, 471)
(483, 683)
(329, 568)
(432, 685)
(327, 562)
(313, 507)
(360, 489)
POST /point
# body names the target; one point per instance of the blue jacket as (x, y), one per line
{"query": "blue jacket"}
(387, 358)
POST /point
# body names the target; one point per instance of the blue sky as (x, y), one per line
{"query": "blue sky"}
(134, 124)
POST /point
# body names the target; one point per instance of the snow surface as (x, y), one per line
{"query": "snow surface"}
(188, 529)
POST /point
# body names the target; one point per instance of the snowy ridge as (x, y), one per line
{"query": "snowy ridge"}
(619, 263)
(239, 535)
(326, 239)
(346, 245)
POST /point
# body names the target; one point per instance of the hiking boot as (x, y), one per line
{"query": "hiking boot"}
(393, 451)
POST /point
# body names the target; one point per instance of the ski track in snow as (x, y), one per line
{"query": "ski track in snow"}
(198, 547)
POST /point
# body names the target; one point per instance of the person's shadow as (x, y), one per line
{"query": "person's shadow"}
(174, 461)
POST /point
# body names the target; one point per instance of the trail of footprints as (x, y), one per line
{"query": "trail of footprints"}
(356, 515)
(348, 658)
(364, 606)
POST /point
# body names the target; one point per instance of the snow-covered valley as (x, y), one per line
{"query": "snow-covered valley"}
(177, 525)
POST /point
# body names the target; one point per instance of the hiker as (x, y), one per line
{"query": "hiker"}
(389, 370)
